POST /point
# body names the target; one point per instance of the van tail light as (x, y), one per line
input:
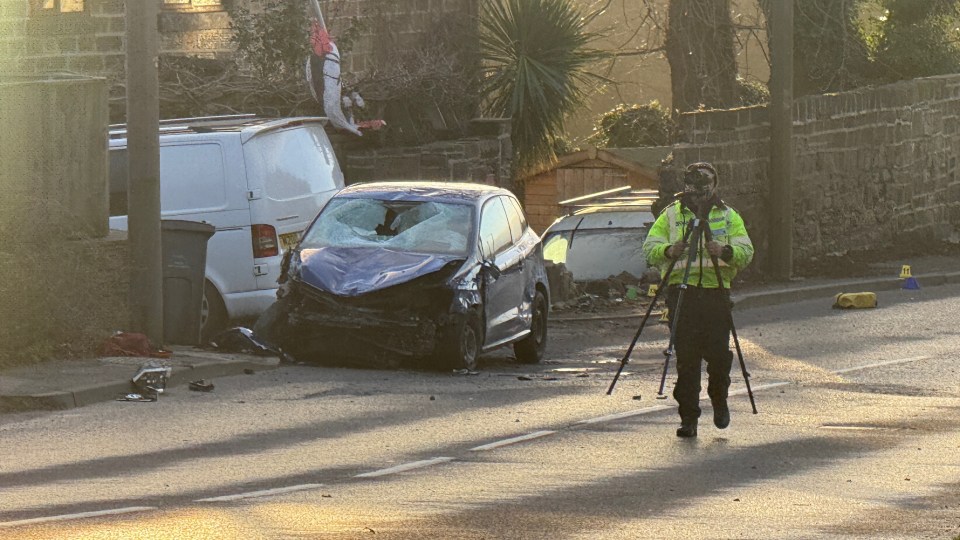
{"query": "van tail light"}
(265, 242)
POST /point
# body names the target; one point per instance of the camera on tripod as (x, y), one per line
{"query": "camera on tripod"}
(698, 188)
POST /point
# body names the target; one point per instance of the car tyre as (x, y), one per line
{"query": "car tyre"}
(213, 313)
(463, 342)
(529, 350)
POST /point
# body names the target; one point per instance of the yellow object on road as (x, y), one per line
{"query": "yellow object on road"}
(905, 271)
(855, 300)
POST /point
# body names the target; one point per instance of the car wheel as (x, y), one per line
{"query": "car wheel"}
(213, 313)
(529, 350)
(463, 343)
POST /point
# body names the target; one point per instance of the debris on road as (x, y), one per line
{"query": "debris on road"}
(241, 340)
(151, 378)
(855, 300)
(131, 344)
(136, 397)
(201, 385)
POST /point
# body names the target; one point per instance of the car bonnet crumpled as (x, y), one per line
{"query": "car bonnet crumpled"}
(354, 271)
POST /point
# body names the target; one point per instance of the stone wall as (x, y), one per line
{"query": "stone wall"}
(53, 148)
(874, 168)
(484, 158)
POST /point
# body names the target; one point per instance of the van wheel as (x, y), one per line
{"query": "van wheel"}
(529, 350)
(213, 313)
(462, 343)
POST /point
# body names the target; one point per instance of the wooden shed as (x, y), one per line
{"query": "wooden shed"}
(588, 171)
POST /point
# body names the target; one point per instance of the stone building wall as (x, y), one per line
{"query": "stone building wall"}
(86, 36)
(874, 168)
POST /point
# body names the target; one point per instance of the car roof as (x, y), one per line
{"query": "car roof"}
(246, 125)
(422, 191)
(604, 218)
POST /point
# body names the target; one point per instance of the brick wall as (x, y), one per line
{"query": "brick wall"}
(874, 168)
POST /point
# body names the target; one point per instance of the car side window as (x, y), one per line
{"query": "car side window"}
(494, 228)
(515, 216)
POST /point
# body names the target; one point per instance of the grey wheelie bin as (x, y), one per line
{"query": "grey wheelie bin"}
(184, 248)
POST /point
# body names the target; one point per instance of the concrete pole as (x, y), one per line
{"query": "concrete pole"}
(780, 214)
(143, 183)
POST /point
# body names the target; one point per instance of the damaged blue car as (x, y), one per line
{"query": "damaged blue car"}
(428, 272)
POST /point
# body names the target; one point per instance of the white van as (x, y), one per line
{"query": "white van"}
(260, 182)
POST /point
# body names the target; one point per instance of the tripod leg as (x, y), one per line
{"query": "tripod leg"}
(626, 357)
(743, 366)
(675, 317)
(733, 330)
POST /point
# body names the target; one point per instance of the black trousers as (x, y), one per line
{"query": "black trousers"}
(703, 334)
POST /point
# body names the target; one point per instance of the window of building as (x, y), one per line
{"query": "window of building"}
(192, 4)
(40, 7)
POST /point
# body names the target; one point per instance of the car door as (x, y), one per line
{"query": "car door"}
(503, 283)
(525, 242)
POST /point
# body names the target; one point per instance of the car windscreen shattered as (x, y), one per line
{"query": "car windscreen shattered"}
(408, 226)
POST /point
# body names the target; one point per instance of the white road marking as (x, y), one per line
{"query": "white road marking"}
(625, 414)
(81, 515)
(405, 467)
(655, 408)
(884, 363)
(512, 440)
(743, 390)
(858, 428)
(261, 493)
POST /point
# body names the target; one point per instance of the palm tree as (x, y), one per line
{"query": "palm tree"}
(536, 55)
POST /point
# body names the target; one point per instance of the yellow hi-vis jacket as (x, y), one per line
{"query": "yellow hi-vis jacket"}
(727, 228)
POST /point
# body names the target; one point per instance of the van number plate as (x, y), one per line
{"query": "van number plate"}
(288, 240)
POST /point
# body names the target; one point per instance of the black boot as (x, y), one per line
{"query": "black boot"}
(721, 414)
(688, 428)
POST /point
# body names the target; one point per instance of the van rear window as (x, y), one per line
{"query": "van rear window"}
(291, 162)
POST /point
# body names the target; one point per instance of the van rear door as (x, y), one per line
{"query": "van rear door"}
(291, 172)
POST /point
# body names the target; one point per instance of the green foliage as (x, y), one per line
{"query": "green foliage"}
(753, 92)
(831, 53)
(918, 38)
(536, 58)
(837, 47)
(271, 37)
(427, 89)
(635, 125)
(563, 145)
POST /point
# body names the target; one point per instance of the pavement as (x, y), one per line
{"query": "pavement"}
(65, 384)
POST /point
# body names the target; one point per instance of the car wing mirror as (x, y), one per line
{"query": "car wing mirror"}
(491, 269)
